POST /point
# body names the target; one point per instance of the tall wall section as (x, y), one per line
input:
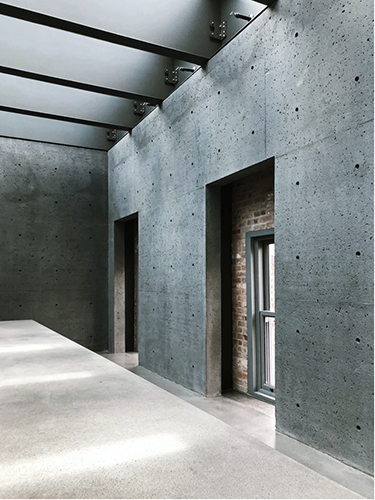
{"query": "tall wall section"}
(53, 238)
(296, 85)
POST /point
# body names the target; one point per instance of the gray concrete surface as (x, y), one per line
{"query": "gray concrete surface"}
(53, 238)
(75, 425)
(296, 85)
(325, 345)
(257, 419)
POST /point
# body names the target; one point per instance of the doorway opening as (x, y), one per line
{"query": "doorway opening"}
(239, 303)
(131, 282)
(126, 289)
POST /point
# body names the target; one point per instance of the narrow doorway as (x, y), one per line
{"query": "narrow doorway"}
(131, 282)
(247, 285)
(126, 292)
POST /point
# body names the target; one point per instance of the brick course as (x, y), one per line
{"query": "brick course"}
(252, 210)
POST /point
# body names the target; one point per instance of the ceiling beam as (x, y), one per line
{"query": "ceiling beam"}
(69, 119)
(83, 63)
(45, 100)
(98, 34)
(81, 85)
(37, 129)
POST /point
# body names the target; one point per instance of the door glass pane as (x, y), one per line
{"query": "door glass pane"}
(271, 276)
(269, 350)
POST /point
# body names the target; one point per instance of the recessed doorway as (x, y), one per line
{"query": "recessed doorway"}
(237, 206)
(126, 285)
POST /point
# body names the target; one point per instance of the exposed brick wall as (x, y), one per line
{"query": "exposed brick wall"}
(252, 210)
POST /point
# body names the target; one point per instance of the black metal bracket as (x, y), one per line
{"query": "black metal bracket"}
(171, 77)
(218, 32)
(139, 107)
(111, 135)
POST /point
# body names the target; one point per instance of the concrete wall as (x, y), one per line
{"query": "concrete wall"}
(297, 85)
(53, 238)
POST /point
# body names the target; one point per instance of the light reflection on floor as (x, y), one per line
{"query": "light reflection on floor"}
(27, 348)
(42, 379)
(95, 457)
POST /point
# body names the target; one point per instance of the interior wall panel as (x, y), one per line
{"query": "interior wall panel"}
(53, 238)
(296, 85)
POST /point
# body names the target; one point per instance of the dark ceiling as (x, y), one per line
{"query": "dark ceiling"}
(86, 72)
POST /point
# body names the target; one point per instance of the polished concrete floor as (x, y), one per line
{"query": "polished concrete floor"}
(257, 419)
(76, 425)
